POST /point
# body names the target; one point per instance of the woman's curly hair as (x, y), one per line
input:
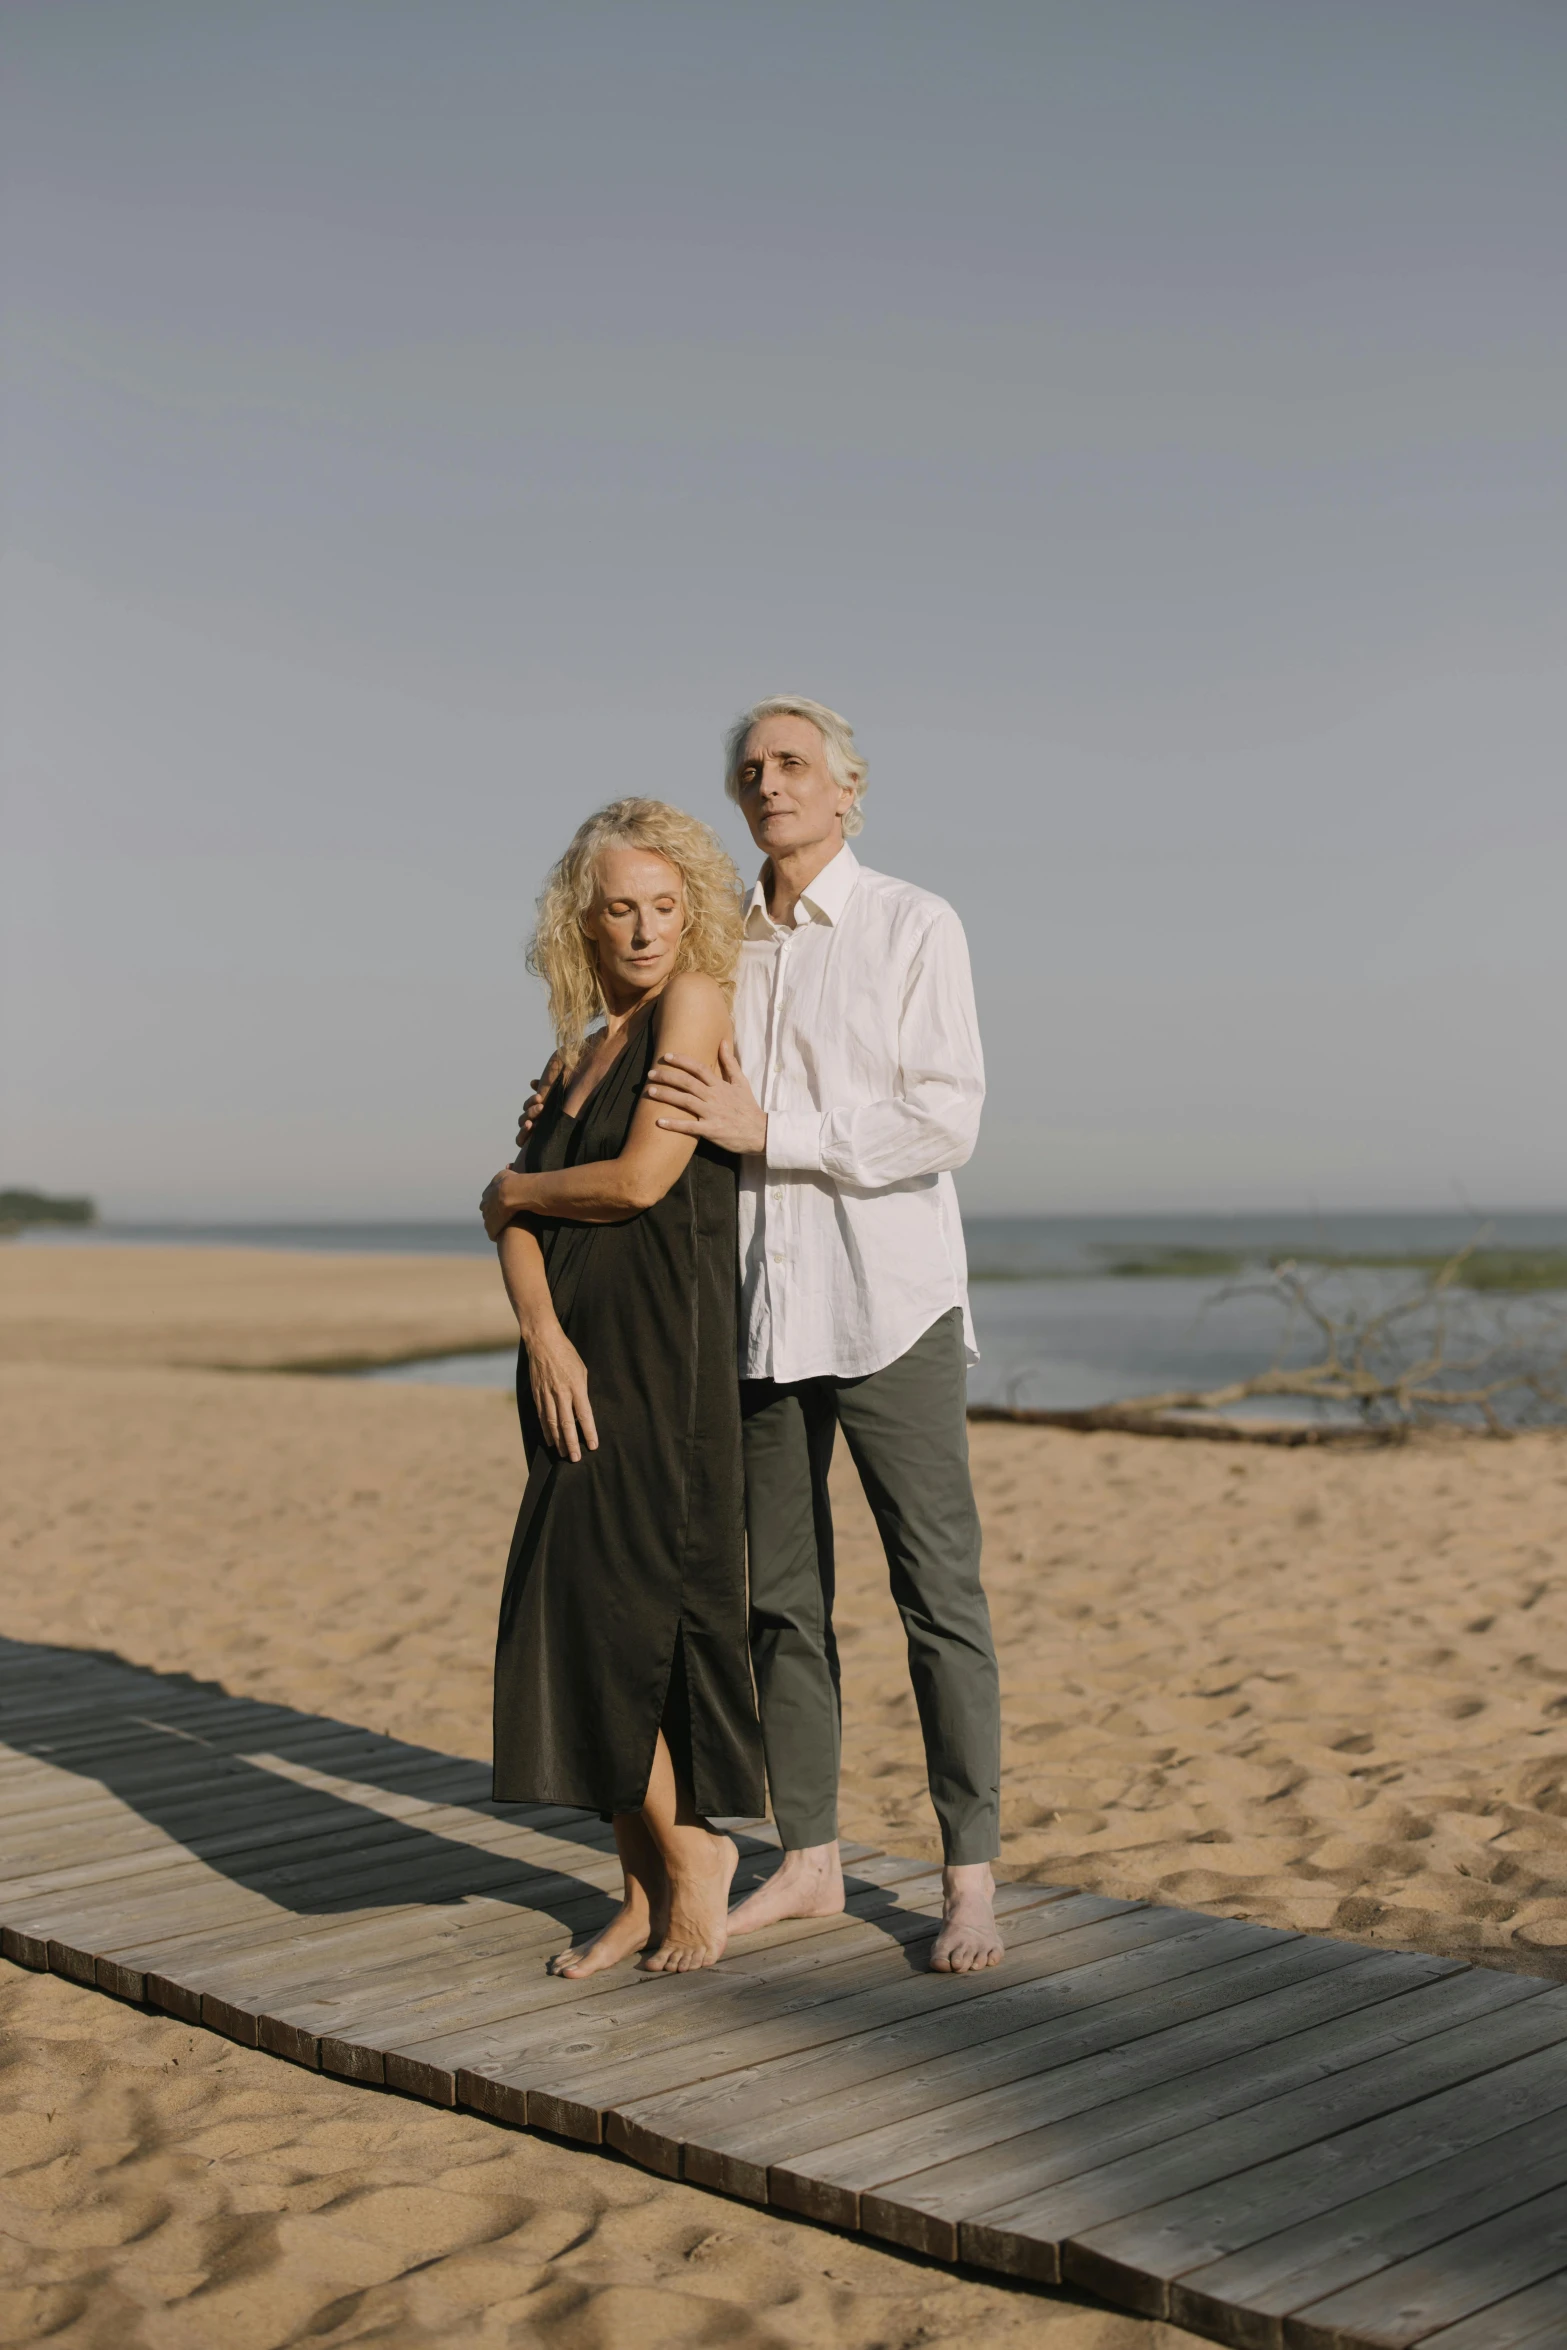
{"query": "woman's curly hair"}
(559, 952)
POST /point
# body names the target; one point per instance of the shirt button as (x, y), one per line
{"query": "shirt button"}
(776, 1195)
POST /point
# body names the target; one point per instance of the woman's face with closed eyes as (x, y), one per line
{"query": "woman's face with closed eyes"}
(635, 922)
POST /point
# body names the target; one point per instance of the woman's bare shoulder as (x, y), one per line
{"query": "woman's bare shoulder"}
(692, 1017)
(692, 995)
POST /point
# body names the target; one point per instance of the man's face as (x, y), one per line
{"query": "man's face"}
(787, 796)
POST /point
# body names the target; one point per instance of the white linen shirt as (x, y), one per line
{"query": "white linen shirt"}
(856, 1026)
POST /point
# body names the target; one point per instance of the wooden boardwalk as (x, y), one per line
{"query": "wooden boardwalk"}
(1272, 2138)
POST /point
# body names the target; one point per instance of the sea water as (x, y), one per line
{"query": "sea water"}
(1068, 1310)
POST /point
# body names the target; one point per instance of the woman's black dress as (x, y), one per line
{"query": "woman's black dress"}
(624, 1608)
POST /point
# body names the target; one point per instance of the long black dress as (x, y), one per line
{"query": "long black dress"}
(624, 1607)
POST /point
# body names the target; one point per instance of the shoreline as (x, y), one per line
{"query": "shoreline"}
(326, 1315)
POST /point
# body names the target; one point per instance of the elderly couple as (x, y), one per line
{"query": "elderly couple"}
(780, 1086)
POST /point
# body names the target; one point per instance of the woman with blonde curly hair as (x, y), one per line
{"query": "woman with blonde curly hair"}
(622, 1677)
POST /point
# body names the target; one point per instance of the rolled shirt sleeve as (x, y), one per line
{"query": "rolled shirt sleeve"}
(931, 1123)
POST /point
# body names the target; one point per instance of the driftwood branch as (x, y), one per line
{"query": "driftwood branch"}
(1127, 1420)
(1426, 1357)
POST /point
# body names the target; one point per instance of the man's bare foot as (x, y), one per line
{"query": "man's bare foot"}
(969, 1938)
(806, 1884)
(701, 1871)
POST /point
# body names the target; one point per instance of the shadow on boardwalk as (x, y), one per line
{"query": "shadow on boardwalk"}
(216, 1774)
(237, 1783)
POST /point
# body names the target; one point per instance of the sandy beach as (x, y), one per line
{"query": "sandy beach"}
(1323, 1689)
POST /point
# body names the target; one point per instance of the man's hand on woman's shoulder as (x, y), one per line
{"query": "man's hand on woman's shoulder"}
(717, 1105)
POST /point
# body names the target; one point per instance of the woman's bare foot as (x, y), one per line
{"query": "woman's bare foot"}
(628, 1931)
(643, 1913)
(701, 1869)
(969, 1938)
(806, 1884)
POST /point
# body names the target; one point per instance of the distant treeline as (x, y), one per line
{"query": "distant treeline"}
(37, 1207)
(1517, 1271)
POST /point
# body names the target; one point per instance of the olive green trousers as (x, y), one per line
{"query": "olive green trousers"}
(907, 1434)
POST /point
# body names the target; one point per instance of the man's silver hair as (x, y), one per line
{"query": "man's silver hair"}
(845, 764)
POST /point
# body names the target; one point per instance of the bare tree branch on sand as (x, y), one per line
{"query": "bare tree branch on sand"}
(1432, 1355)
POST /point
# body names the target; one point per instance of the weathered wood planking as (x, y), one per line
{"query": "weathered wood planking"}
(1274, 2139)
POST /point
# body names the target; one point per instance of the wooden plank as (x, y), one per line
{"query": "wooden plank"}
(806, 1992)
(786, 1973)
(142, 1771)
(1408, 2303)
(138, 1934)
(228, 1954)
(153, 1783)
(1131, 2092)
(67, 1708)
(283, 1829)
(1535, 2319)
(1268, 2241)
(23, 1661)
(76, 1736)
(143, 1765)
(331, 1754)
(265, 1974)
(66, 1669)
(226, 1832)
(317, 1863)
(763, 1968)
(249, 1820)
(395, 2003)
(734, 2130)
(767, 2103)
(113, 1834)
(195, 1729)
(1101, 2159)
(110, 1921)
(299, 1964)
(725, 2126)
(178, 1981)
(352, 1745)
(118, 1740)
(255, 1804)
(79, 1716)
(114, 1841)
(137, 1771)
(503, 1977)
(308, 2028)
(1424, 2042)
(173, 1984)
(179, 1934)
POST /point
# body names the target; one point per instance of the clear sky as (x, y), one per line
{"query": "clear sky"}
(1146, 418)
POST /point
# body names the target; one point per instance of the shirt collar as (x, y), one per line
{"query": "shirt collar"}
(824, 901)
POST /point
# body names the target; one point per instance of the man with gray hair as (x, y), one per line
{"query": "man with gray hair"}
(854, 1015)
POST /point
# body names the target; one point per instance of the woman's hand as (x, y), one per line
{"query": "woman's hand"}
(559, 1379)
(500, 1200)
